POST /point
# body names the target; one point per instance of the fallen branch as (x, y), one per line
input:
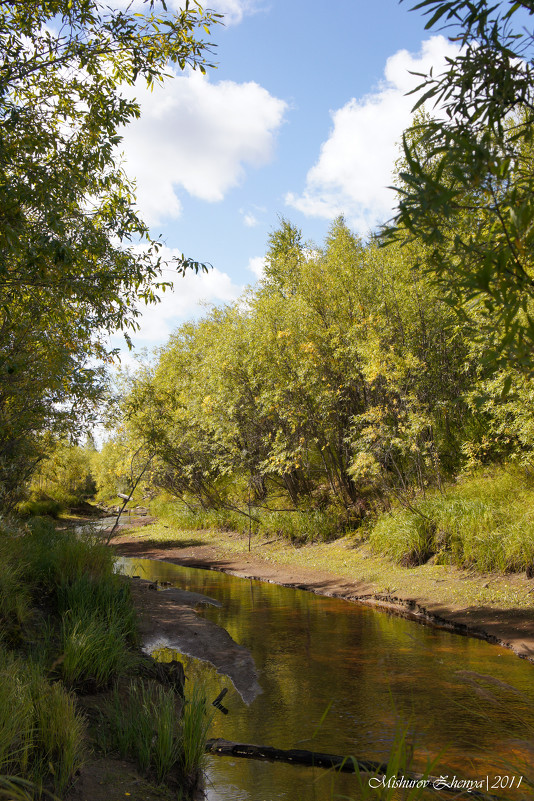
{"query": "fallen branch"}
(296, 756)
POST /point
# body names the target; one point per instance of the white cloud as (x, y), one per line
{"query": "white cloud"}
(356, 162)
(183, 302)
(250, 220)
(198, 136)
(257, 265)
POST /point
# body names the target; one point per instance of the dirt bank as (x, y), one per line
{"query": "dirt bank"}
(496, 608)
(167, 619)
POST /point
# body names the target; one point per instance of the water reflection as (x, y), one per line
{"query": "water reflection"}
(337, 677)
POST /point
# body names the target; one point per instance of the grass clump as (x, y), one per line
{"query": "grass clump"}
(195, 724)
(94, 652)
(41, 733)
(405, 537)
(144, 723)
(15, 594)
(98, 630)
(57, 557)
(63, 613)
(39, 508)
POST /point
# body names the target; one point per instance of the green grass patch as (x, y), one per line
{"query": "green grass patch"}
(41, 733)
(39, 508)
(63, 613)
(485, 521)
(98, 630)
(55, 557)
(144, 723)
(405, 537)
(296, 526)
(195, 724)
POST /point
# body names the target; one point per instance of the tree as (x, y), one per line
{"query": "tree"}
(467, 186)
(75, 257)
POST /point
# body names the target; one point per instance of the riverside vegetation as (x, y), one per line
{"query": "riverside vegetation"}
(385, 391)
(68, 632)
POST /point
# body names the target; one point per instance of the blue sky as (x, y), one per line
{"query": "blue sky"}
(300, 119)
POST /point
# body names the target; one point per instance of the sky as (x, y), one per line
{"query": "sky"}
(301, 119)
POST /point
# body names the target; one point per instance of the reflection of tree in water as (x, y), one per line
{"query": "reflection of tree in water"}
(364, 668)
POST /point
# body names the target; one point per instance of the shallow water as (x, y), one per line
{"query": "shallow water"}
(341, 678)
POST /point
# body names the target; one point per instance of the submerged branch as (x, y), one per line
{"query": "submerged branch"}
(316, 759)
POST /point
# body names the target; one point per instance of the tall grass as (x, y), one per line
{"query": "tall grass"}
(144, 722)
(195, 725)
(93, 652)
(41, 733)
(84, 630)
(98, 628)
(56, 557)
(38, 508)
(15, 594)
(297, 526)
(404, 537)
(108, 597)
(485, 521)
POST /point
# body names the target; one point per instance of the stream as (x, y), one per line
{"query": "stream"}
(342, 678)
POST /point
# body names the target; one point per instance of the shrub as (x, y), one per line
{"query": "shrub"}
(38, 508)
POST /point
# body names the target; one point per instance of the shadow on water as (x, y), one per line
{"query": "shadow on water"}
(315, 654)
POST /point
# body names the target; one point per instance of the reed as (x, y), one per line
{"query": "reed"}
(144, 723)
(195, 725)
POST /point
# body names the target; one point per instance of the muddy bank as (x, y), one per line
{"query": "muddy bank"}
(167, 619)
(511, 627)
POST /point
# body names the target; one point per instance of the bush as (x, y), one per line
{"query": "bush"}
(39, 508)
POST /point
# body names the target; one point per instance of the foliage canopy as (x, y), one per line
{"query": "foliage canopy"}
(75, 257)
(467, 186)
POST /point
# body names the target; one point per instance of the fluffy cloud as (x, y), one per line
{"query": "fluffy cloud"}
(356, 162)
(198, 136)
(183, 302)
(257, 266)
(234, 10)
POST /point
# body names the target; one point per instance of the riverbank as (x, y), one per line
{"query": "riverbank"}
(495, 607)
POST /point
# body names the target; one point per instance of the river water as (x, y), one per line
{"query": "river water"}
(343, 678)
